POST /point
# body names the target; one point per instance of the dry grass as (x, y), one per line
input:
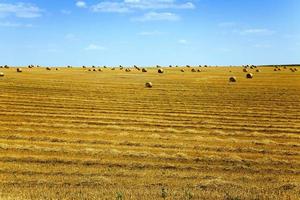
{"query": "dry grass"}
(103, 135)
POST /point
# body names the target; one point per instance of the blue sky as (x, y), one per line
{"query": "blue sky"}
(149, 32)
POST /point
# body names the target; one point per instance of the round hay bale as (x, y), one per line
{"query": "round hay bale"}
(1, 74)
(94, 70)
(295, 69)
(275, 69)
(249, 75)
(148, 85)
(89, 70)
(48, 68)
(232, 79)
(188, 66)
(245, 70)
(19, 70)
(257, 70)
(113, 68)
(100, 70)
(56, 69)
(144, 70)
(160, 71)
(127, 70)
(193, 70)
(83, 67)
(182, 70)
(199, 70)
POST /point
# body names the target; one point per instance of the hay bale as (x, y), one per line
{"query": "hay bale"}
(144, 70)
(19, 70)
(232, 79)
(94, 70)
(83, 67)
(48, 68)
(1, 74)
(136, 67)
(1, 66)
(193, 70)
(127, 70)
(245, 70)
(295, 69)
(100, 70)
(275, 69)
(188, 66)
(56, 69)
(199, 70)
(148, 85)
(249, 75)
(182, 70)
(113, 68)
(257, 70)
(160, 71)
(89, 70)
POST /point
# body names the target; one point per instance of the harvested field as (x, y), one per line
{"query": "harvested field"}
(75, 134)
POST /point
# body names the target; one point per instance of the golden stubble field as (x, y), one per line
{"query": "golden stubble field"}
(79, 134)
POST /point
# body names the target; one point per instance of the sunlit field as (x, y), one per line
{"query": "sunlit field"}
(72, 133)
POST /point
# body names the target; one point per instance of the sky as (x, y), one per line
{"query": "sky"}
(149, 32)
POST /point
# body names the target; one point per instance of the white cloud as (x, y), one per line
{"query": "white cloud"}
(65, 12)
(261, 31)
(182, 41)
(21, 10)
(94, 47)
(157, 16)
(133, 5)
(15, 25)
(81, 4)
(110, 7)
(262, 46)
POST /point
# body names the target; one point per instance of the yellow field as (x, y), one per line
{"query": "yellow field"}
(78, 134)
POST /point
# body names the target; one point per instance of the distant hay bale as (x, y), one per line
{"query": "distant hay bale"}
(284, 67)
(193, 70)
(148, 85)
(199, 70)
(56, 69)
(232, 79)
(113, 68)
(182, 70)
(249, 75)
(136, 67)
(89, 70)
(257, 70)
(94, 70)
(160, 71)
(1, 74)
(188, 66)
(295, 69)
(205, 66)
(127, 70)
(83, 67)
(19, 70)
(144, 70)
(48, 68)
(245, 70)
(100, 70)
